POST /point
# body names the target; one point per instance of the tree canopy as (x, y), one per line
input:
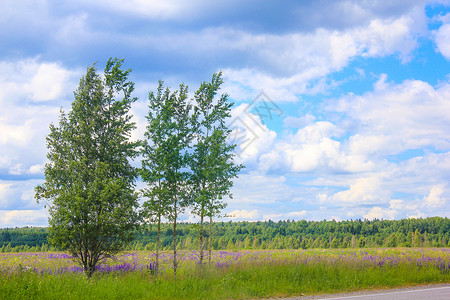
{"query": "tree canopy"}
(89, 181)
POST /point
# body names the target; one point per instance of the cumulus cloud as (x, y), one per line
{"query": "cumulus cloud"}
(361, 160)
(421, 182)
(14, 218)
(436, 197)
(243, 214)
(250, 135)
(33, 80)
(139, 111)
(29, 92)
(255, 188)
(397, 117)
(294, 59)
(442, 36)
(293, 215)
(7, 193)
(312, 148)
(362, 191)
(18, 194)
(48, 83)
(380, 213)
(289, 65)
(285, 64)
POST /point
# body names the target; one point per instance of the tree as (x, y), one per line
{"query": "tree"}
(154, 162)
(212, 161)
(89, 181)
(417, 239)
(165, 159)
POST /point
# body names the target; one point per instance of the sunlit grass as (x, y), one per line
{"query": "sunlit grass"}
(243, 274)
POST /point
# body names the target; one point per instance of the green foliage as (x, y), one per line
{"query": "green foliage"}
(186, 158)
(29, 236)
(322, 234)
(283, 234)
(165, 159)
(211, 163)
(89, 181)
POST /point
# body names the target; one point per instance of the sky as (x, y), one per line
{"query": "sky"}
(342, 108)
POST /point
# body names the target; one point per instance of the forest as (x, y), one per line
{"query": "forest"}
(428, 232)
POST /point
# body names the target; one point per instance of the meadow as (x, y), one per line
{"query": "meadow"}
(230, 275)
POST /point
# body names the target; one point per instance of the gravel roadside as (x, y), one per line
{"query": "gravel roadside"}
(365, 292)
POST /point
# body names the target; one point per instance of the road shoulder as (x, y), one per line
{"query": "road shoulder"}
(367, 292)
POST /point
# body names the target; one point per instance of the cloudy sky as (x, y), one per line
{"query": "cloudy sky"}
(342, 107)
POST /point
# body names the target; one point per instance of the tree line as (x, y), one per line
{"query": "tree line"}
(90, 182)
(428, 232)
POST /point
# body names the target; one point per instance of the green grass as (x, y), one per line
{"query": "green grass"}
(289, 274)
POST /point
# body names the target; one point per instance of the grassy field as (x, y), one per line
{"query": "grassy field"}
(231, 275)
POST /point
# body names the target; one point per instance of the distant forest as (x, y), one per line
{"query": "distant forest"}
(429, 232)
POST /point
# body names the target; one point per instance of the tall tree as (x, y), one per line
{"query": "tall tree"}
(165, 153)
(89, 181)
(154, 162)
(212, 161)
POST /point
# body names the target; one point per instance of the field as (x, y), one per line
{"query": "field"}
(231, 275)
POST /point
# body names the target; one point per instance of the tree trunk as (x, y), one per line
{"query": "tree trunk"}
(201, 238)
(175, 263)
(210, 239)
(158, 241)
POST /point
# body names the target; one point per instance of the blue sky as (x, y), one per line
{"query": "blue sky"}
(342, 107)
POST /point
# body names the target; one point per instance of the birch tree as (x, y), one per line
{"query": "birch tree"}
(212, 165)
(165, 164)
(89, 181)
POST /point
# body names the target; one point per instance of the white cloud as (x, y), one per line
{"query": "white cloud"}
(297, 214)
(366, 190)
(13, 218)
(255, 188)
(396, 204)
(397, 117)
(26, 88)
(420, 181)
(380, 213)
(30, 79)
(436, 197)
(293, 215)
(18, 194)
(442, 38)
(22, 137)
(244, 214)
(365, 145)
(362, 159)
(49, 82)
(289, 64)
(36, 169)
(7, 193)
(313, 148)
(138, 112)
(250, 135)
(16, 135)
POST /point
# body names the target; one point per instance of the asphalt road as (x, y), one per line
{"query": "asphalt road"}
(439, 292)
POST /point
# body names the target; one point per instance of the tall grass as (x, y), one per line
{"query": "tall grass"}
(250, 275)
